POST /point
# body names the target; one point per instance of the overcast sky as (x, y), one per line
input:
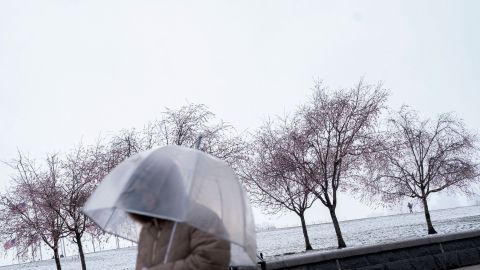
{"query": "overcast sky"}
(72, 70)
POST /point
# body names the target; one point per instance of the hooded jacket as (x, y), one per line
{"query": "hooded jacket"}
(190, 248)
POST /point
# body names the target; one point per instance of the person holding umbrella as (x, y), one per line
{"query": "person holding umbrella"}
(165, 244)
(185, 208)
(190, 248)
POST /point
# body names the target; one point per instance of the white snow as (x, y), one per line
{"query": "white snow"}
(280, 241)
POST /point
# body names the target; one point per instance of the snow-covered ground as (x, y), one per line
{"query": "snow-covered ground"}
(288, 240)
(115, 259)
(369, 231)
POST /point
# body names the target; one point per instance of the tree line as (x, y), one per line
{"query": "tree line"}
(44, 200)
(348, 140)
(338, 140)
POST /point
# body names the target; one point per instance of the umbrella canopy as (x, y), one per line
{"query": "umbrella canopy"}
(178, 184)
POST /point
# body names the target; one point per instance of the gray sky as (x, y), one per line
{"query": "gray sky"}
(72, 70)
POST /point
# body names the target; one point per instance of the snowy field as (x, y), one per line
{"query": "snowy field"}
(290, 240)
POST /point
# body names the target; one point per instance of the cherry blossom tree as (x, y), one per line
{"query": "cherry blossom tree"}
(333, 135)
(271, 180)
(55, 193)
(31, 206)
(81, 170)
(422, 157)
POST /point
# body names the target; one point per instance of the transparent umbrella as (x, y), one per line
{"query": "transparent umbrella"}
(182, 185)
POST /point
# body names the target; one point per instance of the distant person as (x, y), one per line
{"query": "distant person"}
(410, 206)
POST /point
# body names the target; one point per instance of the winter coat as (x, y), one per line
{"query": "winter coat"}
(191, 248)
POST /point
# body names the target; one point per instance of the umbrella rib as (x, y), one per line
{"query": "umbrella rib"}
(110, 217)
(193, 172)
(242, 196)
(221, 199)
(165, 259)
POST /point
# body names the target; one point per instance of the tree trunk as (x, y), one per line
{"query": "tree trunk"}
(431, 230)
(341, 242)
(78, 238)
(56, 257)
(308, 246)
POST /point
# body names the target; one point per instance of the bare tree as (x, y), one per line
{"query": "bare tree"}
(222, 141)
(150, 135)
(334, 134)
(422, 157)
(181, 126)
(32, 205)
(272, 182)
(185, 125)
(123, 145)
(108, 153)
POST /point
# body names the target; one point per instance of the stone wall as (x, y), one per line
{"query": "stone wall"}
(432, 252)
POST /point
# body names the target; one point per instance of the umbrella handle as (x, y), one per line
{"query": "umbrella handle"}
(170, 243)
